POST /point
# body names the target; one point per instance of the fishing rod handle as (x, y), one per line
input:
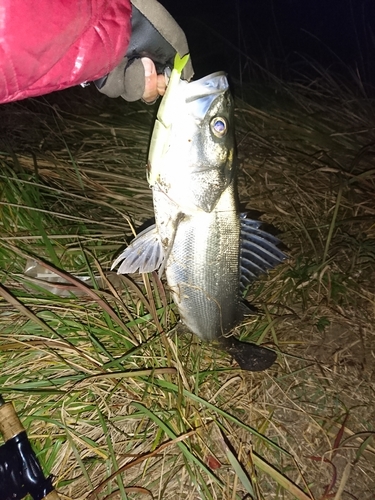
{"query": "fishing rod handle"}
(10, 427)
(10, 424)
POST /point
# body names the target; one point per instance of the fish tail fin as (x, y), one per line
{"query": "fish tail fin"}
(250, 357)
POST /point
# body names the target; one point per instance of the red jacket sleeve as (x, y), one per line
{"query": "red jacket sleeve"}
(48, 45)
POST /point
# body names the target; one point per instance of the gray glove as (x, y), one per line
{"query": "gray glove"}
(155, 34)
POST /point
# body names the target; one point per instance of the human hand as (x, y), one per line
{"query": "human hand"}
(155, 85)
(155, 40)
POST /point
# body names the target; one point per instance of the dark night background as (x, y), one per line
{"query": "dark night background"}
(280, 35)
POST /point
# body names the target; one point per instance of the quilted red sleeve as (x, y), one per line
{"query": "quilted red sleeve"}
(48, 45)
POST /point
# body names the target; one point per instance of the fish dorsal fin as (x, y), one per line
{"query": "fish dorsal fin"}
(259, 252)
(144, 255)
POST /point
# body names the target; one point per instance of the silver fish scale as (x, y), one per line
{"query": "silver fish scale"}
(203, 269)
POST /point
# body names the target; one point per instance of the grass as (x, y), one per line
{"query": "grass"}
(116, 403)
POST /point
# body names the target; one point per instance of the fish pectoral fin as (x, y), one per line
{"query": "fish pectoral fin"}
(144, 255)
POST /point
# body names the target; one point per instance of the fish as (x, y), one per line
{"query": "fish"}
(209, 251)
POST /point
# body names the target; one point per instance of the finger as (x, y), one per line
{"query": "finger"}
(151, 80)
(161, 86)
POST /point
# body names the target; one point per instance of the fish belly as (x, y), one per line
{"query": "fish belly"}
(203, 269)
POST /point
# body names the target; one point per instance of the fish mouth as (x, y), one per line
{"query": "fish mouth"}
(215, 83)
(200, 94)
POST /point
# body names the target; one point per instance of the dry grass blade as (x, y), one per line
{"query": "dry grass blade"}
(137, 461)
(279, 478)
(102, 381)
(24, 310)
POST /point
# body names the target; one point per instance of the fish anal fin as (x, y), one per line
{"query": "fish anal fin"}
(247, 309)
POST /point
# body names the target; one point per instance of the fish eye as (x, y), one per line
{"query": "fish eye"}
(219, 126)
